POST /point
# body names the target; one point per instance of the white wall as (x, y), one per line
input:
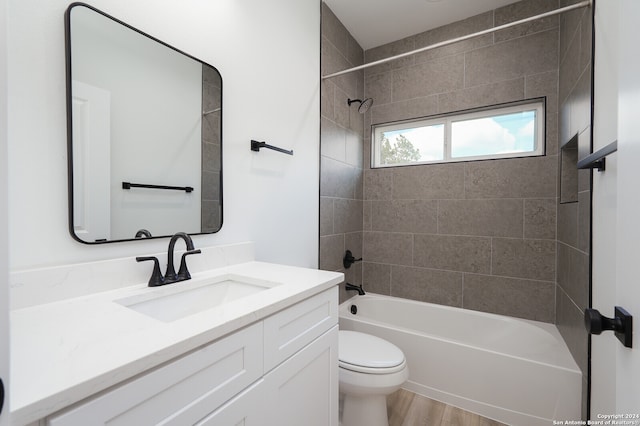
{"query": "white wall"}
(268, 55)
(4, 223)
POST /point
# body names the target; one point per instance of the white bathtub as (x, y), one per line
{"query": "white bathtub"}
(519, 372)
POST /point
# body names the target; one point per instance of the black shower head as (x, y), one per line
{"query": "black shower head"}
(364, 104)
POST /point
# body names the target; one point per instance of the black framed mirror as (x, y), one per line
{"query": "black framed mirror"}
(144, 131)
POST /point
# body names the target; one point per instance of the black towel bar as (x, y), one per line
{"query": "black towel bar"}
(256, 145)
(597, 159)
(129, 185)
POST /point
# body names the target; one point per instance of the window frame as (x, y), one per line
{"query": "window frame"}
(535, 104)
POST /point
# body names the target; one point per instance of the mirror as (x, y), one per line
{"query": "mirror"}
(144, 124)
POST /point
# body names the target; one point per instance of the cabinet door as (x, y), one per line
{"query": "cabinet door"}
(303, 390)
(246, 409)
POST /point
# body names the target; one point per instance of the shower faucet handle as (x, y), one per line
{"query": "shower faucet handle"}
(349, 260)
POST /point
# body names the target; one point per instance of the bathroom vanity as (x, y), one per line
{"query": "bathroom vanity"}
(264, 352)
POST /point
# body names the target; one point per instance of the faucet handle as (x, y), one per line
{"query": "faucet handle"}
(183, 272)
(156, 276)
(349, 259)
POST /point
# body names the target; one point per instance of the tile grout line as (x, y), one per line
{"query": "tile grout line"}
(524, 218)
(491, 257)
(463, 291)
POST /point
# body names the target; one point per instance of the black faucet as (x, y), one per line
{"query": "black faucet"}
(170, 275)
(143, 233)
(353, 287)
(183, 273)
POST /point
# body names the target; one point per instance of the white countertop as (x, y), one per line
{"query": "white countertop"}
(65, 351)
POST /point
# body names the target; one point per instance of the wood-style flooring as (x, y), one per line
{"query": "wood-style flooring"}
(405, 408)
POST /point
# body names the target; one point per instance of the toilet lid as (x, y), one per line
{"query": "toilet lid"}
(368, 354)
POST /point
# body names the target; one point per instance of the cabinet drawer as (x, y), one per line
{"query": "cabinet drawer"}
(289, 330)
(181, 392)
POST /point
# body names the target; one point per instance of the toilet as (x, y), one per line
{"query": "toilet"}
(370, 368)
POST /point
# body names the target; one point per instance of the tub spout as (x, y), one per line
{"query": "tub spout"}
(353, 287)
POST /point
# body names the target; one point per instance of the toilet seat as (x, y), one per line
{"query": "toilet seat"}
(364, 353)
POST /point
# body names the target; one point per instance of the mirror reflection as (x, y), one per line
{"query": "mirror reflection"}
(144, 123)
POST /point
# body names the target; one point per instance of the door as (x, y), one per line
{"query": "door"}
(615, 370)
(91, 162)
(628, 227)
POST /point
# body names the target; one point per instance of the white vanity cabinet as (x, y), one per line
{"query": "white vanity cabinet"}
(281, 370)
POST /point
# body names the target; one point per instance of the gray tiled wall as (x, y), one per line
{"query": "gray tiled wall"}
(478, 235)
(211, 211)
(341, 129)
(485, 235)
(573, 242)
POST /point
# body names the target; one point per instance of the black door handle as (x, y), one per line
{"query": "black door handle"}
(621, 324)
(1, 395)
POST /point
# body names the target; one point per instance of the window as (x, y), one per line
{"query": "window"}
(514, 130)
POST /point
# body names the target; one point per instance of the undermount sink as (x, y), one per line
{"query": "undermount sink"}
(179, 300)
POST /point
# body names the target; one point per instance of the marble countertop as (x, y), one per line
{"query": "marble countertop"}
(65, 351)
